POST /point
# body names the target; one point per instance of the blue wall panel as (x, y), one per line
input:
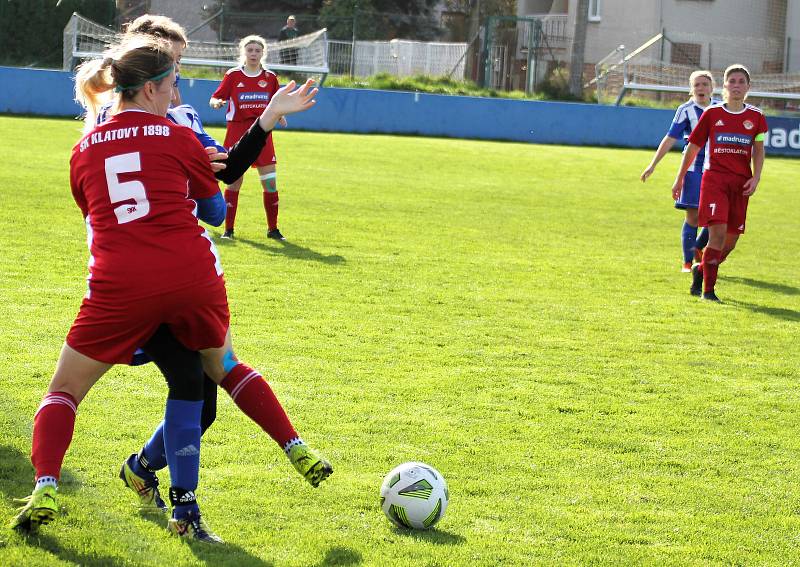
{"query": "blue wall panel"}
(31, 91)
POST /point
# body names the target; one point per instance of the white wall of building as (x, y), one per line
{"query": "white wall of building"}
(752, 32)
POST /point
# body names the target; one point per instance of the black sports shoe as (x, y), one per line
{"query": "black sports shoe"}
(228, 234)
(276, 234)
(697, 281)
(193, 527)
(710, 296)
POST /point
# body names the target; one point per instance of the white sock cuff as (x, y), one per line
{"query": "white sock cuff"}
(46, 481)
(292, 443)
(58, 398)
(272, 175)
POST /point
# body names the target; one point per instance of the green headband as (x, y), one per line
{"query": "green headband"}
(120, 88)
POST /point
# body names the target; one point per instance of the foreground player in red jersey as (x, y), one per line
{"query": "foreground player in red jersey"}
(247, 90)
(251, 393)
(151, 264)
(733, 134)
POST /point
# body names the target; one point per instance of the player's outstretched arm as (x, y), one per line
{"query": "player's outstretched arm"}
(288, 100)
(663, 148)
(686, 162)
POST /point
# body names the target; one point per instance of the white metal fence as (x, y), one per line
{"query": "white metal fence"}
(311, 53)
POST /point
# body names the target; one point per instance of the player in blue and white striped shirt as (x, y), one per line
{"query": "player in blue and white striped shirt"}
(701, 86)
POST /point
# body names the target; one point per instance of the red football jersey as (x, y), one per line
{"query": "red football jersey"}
(729, 137)
(133, 178)
(247, 96)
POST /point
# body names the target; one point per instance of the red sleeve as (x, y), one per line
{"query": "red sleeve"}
(762, 125)
(223, 91)
(77, 193)
(699, 135)
(274, 85)
(202, 183)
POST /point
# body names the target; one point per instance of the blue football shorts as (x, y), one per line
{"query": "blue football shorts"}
(690, 196)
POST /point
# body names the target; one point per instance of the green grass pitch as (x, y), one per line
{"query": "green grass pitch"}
(512, 314)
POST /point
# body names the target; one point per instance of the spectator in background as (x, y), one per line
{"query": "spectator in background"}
(289, 31)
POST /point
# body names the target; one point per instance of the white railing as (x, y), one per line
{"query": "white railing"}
(553, 26)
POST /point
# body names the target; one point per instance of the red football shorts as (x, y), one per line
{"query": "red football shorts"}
(237, 129)
(722, 201)
(110, 329)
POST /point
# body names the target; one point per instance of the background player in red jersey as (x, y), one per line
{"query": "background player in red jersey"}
(247, 89)
(733, 134)
(151, 264)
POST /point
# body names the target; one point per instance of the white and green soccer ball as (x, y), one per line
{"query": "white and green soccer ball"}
(414, 495)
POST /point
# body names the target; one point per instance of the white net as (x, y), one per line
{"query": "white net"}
(397, 57)
(756, 36)
(85, 39)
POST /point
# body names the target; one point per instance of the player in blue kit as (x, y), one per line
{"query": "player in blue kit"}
(701, 85)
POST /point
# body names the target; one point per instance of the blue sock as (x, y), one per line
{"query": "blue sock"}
(153, 455)
(688, 236)
(702, 240)
(182, 445)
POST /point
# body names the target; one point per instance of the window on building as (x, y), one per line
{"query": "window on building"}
(686, 54)
(595, 7)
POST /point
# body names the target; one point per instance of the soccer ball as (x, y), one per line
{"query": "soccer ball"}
(414, 495)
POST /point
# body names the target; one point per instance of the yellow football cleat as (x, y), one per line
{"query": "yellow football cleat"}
(38, 509)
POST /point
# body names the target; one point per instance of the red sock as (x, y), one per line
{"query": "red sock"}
(271, 208)
(52, 433)
(231, 201)
(255, 398)
(711, 260)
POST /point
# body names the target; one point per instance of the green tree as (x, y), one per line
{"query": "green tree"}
(32, 31)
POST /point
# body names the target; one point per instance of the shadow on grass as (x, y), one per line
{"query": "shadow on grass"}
(778, 288)
(436, 536)
(287, 249)
(16, 472)
(16, 481)
(340, 556)
(224, 555)
(778, 312)
(91, 559)
(216, 555)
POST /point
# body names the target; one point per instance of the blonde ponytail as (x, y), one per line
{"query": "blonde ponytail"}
(93, 86)
(124, 70)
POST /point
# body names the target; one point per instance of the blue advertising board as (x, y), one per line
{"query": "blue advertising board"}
(50, 93)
